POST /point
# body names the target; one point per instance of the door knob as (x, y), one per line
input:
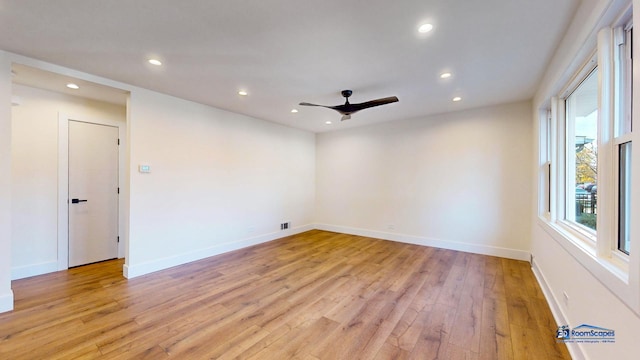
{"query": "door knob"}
(75, 201)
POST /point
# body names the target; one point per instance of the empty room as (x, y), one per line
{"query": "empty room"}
(330, 180)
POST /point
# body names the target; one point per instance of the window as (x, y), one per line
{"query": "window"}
(593, 148)
(586, 150)
(586, 157)
(582, 152)
(623, 127)
(544, 204)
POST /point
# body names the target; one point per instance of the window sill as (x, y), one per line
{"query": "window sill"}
(613, 272)
(586, 240)
(583, 248)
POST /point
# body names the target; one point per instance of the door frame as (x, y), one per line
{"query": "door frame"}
(63, 184)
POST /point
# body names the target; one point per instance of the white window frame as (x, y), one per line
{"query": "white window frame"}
(545, 200)
(570, 166)
(622, 113)
(563, 182)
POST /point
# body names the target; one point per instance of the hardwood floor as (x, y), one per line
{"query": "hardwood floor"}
(317, 295)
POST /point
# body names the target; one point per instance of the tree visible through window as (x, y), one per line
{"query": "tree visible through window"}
(586, 161)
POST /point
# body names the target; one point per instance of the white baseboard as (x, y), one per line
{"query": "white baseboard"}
(574, 348)
(6, 301)
(22, 272)
(131, 271)
(424, 241)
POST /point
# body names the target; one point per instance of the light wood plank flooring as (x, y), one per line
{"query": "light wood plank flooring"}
(317, 295)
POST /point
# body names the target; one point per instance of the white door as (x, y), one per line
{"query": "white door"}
(93, 193)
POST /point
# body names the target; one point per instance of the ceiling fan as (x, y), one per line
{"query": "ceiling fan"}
(347, 108)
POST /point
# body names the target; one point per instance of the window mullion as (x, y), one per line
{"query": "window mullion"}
(606, 171)
(556, 158)
(569, 166)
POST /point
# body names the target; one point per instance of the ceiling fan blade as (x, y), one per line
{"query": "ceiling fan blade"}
(372, 103)
(310, 104)
(349, 108)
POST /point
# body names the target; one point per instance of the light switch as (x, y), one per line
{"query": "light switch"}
(144, 168)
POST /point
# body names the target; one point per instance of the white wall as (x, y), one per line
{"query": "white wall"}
(219, 181)
(35, 172)
(6, 295)
(460, 180)
(590, 301)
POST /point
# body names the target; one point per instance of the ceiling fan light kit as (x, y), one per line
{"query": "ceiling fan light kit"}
(347, 108)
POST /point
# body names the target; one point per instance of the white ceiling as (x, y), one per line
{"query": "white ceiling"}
(287, 51)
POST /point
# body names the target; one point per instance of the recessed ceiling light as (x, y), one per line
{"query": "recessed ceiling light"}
(73, 86)
(328, 122)
(155, 62)
(294, 110)
(445, 75)
(243, 93)
(457, 98)
(425, 28)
